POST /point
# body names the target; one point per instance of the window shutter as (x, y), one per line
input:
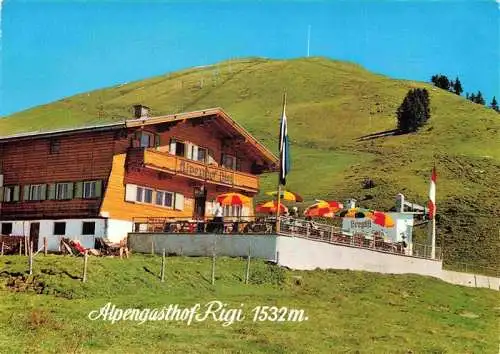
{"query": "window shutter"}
(71, 189)
(26, 192)
(43, 192)
(1, 194)
(179, 201)
(195, 152)
(15, 194)
(172, 146)
(52, 191)
(98, 189)
(130, 192)
(189, 148)
(78, 190)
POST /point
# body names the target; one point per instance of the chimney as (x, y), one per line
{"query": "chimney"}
(141, 111)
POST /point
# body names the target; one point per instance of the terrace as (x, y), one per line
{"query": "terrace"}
(291, 227)
(181, 166)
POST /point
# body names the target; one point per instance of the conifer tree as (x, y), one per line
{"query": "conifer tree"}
(494, 105)
(457, 86)
(479, 98)
(414, 112)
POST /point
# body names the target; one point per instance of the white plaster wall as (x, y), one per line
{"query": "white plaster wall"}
(262, 246)
(73, 231)
(118, 230)
(471, 280)
(299, 253)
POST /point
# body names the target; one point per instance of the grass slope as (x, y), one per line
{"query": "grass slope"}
(330, 105)
(347, 311)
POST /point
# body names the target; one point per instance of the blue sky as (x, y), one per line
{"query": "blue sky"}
(54, 49)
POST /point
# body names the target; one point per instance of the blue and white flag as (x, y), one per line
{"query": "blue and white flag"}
(284, 148)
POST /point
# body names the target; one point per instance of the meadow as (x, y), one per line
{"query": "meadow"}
(347, 311)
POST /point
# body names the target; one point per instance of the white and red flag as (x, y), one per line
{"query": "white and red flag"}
(432, 195)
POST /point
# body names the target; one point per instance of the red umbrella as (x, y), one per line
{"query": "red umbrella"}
(323, 209)
(270, 207)
(382, 219)
(233, 199)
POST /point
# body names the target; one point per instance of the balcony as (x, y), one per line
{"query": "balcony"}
(181, 166)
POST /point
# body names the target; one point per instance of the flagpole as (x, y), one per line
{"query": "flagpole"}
(433, 220)
(281, 167)
(433, 249)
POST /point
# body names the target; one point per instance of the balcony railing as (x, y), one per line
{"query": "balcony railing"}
(196, 170)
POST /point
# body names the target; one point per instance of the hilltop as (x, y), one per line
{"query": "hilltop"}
(331, 104)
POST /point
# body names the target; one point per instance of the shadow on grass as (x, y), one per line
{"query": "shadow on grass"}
(381, 134)
(147, 270)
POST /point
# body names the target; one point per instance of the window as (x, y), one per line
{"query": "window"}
(54, 146)
(36, 192)
(11, 193)
(88, 228)
(148, 195)
(64, 191)
(202, 155)
(6, 228)
(144, 195)
(140, 192)
(147, 139)
(59, 228)
(180, 148)
(90, 189)
(164, 199)
(229, 161)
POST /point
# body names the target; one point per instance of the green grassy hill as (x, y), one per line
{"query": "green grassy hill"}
(330, 105)
(355, 312)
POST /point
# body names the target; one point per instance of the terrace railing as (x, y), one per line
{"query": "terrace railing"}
(291, 227)
(166, 162)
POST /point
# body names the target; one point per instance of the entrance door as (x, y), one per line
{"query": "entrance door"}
(200, 198)
(34, 232)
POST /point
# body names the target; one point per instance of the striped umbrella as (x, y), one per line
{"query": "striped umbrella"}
(270, 207)
(382, 219)
(287, 195)
(233, 199)
(323, 208)
(357, 213)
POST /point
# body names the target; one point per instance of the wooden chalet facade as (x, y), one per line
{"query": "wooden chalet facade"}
(91, 182)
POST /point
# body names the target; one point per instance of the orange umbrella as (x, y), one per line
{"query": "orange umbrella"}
(323, 209)
(382, 219)
(233, 199)
(270, 207)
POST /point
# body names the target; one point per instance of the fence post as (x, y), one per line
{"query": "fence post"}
(277, 257)
(20, 247)
(26, 246)
(152, 246)
(213, 260)
(85, 260)
(247, 273)
(45, 246)
(30, 252)
(163, 267)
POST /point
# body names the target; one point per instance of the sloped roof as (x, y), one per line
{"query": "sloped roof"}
(220, 114)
